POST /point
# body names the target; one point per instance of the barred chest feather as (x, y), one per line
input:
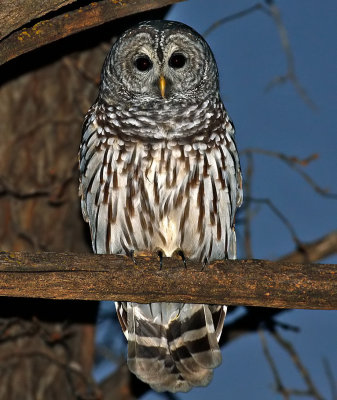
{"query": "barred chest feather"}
(147, 186)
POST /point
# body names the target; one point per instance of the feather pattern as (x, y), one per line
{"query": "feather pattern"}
(164, 176)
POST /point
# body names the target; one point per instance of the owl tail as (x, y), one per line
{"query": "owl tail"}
(174, 346)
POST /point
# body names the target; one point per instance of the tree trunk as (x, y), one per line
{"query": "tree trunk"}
(46, 347)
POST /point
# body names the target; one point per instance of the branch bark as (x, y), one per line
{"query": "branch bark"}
(62, 25)
(113, 277)
(15, 14)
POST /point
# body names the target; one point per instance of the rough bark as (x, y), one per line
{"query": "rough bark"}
(14, 14)
(41, 342)
(63, 24)
(111, 277)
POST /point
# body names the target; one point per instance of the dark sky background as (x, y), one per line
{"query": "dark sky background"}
(249, 56)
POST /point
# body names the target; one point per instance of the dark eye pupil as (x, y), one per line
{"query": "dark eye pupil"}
(177, 61)
(143, 64)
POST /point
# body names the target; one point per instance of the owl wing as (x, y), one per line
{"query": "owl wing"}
(234, 183)
(89, 162)
(101, 202)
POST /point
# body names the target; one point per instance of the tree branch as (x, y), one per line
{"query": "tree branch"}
(15, 14)
(314, 251)
(112, 277)
(67, 23)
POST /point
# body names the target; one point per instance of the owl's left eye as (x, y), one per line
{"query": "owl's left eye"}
(143, 63)
(177, 60)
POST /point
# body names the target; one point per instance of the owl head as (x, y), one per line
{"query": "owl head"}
(159, 62)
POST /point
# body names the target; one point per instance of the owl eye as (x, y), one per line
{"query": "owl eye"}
(143, 63)
(177, 60)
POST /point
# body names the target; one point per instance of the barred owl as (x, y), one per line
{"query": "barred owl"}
(159, 171)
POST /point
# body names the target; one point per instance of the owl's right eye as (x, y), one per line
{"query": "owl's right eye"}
(143, 63)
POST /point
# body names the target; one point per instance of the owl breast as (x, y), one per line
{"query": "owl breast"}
(165, 195)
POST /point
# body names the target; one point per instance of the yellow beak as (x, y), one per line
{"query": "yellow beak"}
(162, 86)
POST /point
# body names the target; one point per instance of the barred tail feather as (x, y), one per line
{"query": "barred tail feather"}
(147, 345)
(174, 346)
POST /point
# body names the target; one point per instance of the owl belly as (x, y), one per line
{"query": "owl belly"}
(168, 203)
(169, 230)
(187, 216)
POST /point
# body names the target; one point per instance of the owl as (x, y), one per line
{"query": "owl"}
(160, 172)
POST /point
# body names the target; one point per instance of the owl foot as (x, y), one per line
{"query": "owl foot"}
(160, 255)
(204, 263)
(132, 256)
(182, 255)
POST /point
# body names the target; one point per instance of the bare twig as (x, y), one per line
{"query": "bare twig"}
(290, 75)
(279, 387)
(331, 378)
(314, 251)
(295, 163)
(273, 11)
(311, 390)
(289, 348)
(279, 215)
(233, 17)
(291, 160)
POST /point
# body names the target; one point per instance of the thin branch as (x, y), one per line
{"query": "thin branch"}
(290, 75)
(233, 17)
(289, 348)
(285, 392)
(115, 277)
(279, 215)
(314, 251)
(294, 163)
(273, 11)
(331, 378)
(279, 387)
(291, 160)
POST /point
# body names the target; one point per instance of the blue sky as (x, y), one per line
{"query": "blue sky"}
(249, 56)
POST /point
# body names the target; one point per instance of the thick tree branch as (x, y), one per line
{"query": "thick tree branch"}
(67, 23)
(15, 14)
(112, 277)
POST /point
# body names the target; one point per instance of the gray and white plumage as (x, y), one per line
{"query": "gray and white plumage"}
(159, 171)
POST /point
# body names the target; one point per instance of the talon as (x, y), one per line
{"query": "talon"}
(132, 256)
(204, 264)
(160, 255)
(182, 255)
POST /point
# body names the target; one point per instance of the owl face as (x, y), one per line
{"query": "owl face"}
(159, 61)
